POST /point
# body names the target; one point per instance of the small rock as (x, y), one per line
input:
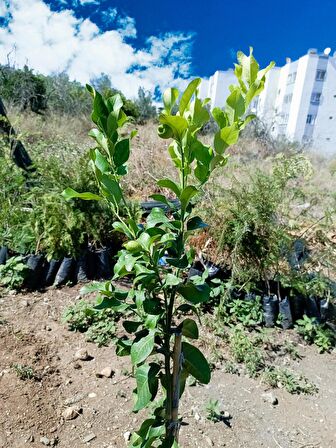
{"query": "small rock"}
(82, 355)
(269, 397)
(45, 441)
(89, 437)
(226, 415)
(48, 328)
(71, 413)
(75, 399)
(209, 441)
(107, 372)
(92, 395)
(30, 439)
(76, 365)
(197, 416)
(121, 394)
(25, 303)
(127, 436)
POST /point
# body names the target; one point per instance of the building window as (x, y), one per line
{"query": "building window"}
(310, 119)
(291, 78)
(288, 98)
(284, 119)
(320, 75)
(315, 98)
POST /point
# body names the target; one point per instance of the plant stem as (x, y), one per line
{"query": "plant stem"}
(177, 367)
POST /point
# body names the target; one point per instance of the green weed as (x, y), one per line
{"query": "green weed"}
(24, 372)
(292, 383)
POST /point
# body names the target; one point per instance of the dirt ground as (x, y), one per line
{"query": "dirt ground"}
(31, 333)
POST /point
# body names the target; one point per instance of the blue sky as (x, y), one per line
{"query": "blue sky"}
(154, 43)
(276, 29)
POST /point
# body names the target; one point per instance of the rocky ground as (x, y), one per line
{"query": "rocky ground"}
(81, 395)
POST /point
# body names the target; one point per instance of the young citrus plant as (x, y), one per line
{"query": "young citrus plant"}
(156, 255)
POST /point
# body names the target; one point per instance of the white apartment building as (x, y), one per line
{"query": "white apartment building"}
(298, 102)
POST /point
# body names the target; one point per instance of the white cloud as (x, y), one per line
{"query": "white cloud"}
(56, 41)
(89, 2)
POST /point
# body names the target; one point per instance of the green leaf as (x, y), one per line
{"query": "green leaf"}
(167, 183)
(142, 348)
(195, 293)
(131, 326)
(110, 303)
(189, 192)
(121, 152)
(189, 329)
(112, 124)
(92, 287)
(101, 162)
(147, 385)
(99, 137)
(152, 321)
(122, 228)
(195, 363)
(172, 280)
(225, 138)
(160, 198)
(178, 262)
(170, 97)
(110, 188)
(235, 105)
(123, 347)
(219, 117)
(115, 103)
(176, 123)
(156, 216)
(250, 67)
(69, 193)
(196, 223)
(187, 94)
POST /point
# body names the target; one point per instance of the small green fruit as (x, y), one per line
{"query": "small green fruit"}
(132, 246)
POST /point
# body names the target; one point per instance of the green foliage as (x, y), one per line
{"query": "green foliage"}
(213, 411)
(24, 372)
(244, 351)
(13, 273)
(294, 384)
(249, 313)
(152, 302)
(24, 89)
(145, 106)
(314, 333)
(254, 228)
(99, 326)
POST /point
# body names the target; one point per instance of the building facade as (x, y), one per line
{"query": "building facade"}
(298, 102)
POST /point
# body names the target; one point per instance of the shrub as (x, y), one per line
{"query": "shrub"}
(13, 273)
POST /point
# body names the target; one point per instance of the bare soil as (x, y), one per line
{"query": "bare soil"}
(31, 333)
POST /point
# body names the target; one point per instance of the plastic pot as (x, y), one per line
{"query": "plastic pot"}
(35, 276)
(285, 314)
(82, 269)
(51, 271)
(270, 306)
(65, 271)
(3, 254)
(310, 308)
(297, 307)
(103, 267)
(325, 309)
